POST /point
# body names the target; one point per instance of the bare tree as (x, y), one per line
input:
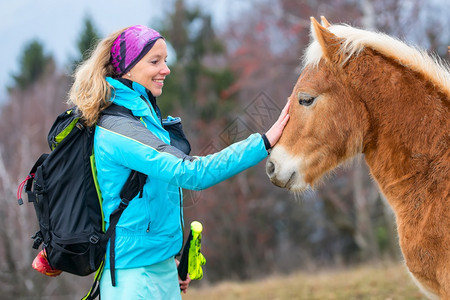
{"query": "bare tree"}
(24, 123)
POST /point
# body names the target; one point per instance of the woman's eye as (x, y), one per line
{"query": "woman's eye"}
(305, 99)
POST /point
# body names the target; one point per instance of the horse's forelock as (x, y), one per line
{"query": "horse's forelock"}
(313, 54)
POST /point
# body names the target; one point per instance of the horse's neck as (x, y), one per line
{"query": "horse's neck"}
(408, 150)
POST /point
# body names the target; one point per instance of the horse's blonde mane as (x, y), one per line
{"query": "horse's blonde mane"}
(355, 40)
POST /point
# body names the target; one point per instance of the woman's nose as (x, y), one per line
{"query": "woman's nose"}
(165, 70)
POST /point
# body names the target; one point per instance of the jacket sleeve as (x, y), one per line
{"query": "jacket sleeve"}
(135, 147)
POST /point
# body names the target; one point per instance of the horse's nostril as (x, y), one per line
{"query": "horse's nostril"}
(270, 168)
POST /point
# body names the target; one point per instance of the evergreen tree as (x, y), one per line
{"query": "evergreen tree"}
(33, 64)
(88, 39)
(197, 79)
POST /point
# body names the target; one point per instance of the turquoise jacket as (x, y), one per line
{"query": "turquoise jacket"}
(151, 228)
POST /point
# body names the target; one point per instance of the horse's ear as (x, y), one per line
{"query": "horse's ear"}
(329, 42)
(324, 22)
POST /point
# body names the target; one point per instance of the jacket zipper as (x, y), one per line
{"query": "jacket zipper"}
(181, 219)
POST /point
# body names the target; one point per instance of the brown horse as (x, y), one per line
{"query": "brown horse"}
(365, 92)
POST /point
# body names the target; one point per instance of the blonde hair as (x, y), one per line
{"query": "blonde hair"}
(90, 91)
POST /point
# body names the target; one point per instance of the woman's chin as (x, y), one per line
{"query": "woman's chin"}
(156, 92)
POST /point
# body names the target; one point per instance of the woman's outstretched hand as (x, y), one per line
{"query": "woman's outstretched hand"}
(274, 133)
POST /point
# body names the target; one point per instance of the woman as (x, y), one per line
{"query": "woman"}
(128, 68)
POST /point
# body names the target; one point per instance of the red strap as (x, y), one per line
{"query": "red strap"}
(21, 185)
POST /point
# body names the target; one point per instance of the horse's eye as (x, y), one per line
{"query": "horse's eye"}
(305, 99)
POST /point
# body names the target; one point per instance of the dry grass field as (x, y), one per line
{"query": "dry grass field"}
(387, 281)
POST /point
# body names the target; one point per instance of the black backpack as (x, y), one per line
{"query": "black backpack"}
(63, 187)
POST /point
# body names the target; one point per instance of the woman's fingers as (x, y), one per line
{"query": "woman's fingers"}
(285, 109)
(274, 133)
(283, 114)
(184, 284)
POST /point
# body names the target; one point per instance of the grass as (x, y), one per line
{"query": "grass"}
(387, 282)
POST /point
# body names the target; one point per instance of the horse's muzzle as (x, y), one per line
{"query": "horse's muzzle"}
(271, 170)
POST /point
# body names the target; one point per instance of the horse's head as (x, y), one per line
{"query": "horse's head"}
(327, 122)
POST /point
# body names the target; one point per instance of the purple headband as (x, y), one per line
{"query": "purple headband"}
(130, 46)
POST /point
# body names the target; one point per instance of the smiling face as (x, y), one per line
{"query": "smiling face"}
(152, 69)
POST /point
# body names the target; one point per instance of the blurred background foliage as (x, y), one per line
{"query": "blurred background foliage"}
(251, 228)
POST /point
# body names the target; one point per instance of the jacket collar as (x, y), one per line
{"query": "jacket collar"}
(131, 95)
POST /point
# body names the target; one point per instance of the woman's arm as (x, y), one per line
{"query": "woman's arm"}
(131, 144)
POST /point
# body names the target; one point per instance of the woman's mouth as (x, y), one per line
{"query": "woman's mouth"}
(159, 82)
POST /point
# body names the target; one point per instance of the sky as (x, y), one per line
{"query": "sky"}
(57, 24)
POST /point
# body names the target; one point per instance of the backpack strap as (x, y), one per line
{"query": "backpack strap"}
(118, 110)
(94, 292)
(132, 187)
